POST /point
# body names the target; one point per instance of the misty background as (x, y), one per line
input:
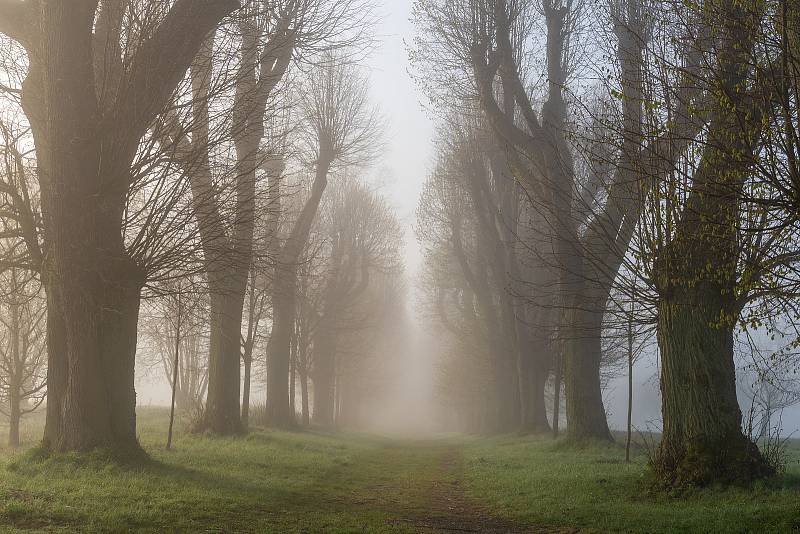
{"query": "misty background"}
(409, 404)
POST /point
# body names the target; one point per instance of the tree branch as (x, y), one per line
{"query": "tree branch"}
(162, 60)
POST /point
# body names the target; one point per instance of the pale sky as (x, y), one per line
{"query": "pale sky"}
(408, 148)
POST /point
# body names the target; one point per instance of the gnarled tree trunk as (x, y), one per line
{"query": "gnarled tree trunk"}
(702, 439)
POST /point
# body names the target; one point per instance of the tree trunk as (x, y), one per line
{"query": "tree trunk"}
(323, 376)
(14, 416)
(324, 401)
(559, 364)
(536, 353)
(248, 364)
(56, 367)
(97, 405)
(304, 395)
(175, 368)
(537, 408)
(630, 387)
(293, 383)
(702, 440)
(222, 414)
(586, 415)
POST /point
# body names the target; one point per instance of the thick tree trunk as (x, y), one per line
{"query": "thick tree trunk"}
(702, 440)
(222, 415)
(14, 416)
(97, 405)
(586, 415)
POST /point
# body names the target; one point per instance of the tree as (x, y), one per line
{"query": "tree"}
(23, 354)
(339, 128)
(363, 240)
(709, 251)
(89, 106)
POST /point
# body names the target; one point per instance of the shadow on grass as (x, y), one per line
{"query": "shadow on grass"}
(256, 491)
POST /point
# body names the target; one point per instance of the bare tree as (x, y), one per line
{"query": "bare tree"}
(339, 128)
(23, 354)
(363, 240)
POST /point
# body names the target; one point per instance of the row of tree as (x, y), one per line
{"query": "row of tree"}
(633, 162)
(165, 189)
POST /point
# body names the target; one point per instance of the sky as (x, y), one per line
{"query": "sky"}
(410, 131)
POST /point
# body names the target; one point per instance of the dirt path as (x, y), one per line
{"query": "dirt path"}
(452, 511)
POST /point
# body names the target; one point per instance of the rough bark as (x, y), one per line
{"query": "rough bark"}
(702, 441)
(586, 415)
(222, 414)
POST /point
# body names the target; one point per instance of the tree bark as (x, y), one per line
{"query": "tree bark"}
(702, 439)
(248, 365)
(559, 364)
(586, 415)
(630, 387)
(222, 415)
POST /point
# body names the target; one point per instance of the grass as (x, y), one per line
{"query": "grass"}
(321, 482)
(265, 482)
(539, 482)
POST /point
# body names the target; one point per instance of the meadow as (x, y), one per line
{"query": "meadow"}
(313, 481)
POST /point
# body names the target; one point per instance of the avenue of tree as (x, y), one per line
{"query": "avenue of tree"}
(186, 186)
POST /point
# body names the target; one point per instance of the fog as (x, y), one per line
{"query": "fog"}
(408, 401)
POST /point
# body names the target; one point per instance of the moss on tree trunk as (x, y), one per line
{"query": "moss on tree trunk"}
(703, 440)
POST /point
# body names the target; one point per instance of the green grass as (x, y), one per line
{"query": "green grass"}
(265, 482)
(321, 482)
(539, 482)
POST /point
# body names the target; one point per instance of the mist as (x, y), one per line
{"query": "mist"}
(413, 266)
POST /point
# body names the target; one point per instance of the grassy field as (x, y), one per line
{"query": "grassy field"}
(319, 482)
